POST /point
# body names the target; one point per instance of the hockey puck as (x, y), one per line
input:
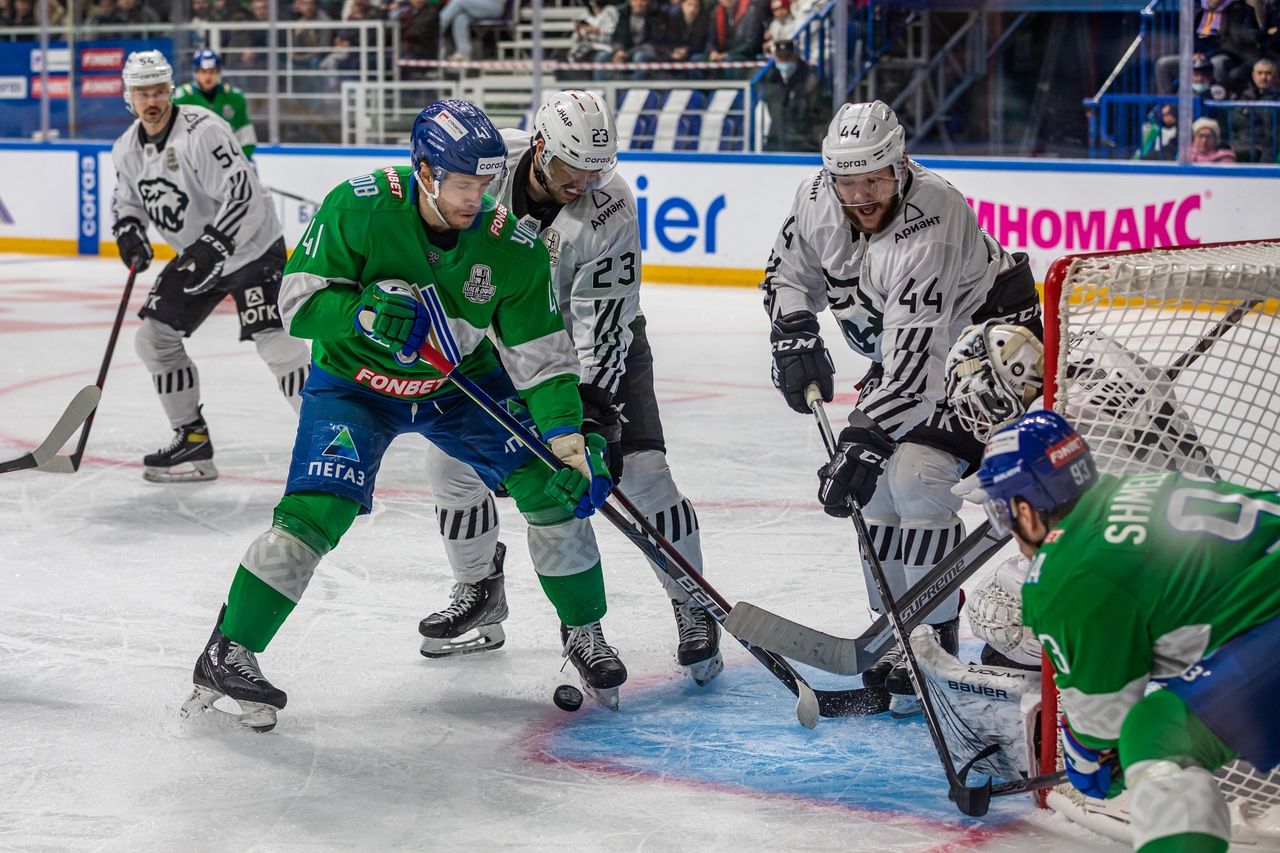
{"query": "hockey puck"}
(567, 697)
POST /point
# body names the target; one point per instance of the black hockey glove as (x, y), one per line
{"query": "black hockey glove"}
(800, 358)
(601, 416)
(131, 240)
(852, 473)
(200, 264)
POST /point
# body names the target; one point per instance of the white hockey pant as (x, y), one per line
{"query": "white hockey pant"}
(177, 381)
(913, 521)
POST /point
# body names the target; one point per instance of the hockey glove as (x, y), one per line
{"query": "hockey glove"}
(131, 240)
(800, 358)
(1092, 772)
(601, 416)
(585, 483)
(199, 267)
(852, 473)
(391, 315)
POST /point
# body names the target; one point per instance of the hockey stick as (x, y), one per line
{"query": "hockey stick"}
(810, 703)
(81, 411)
(852, 655)
(292, 197)
(971, 801)
(45, 456)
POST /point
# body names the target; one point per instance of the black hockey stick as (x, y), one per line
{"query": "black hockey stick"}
(292, 197)
(971, 801)
(81, 411)
(810, 703)
(852, 655)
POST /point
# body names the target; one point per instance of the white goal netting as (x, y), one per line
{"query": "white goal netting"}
(1170, 359)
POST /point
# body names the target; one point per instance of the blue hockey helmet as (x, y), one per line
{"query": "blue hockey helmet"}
(456, 136)
(1039, 458)
(206, 58)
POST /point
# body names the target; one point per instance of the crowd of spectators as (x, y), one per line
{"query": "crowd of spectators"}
(1237, 46)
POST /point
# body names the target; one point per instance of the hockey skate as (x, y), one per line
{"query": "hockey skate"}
(476, 607)
(699, 642)
(226, 668)
(599, 668)
(903, 702)
(189, 457)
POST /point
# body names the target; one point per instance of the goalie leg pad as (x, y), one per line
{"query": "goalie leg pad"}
(647, 481)
(981, 705)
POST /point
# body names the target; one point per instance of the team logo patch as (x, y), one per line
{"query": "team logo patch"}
(1066, 450)
(451, 125)
(479, 288)
(551, 238)
(171, 160)
(166, 204)
(342, 446)
(228, 111)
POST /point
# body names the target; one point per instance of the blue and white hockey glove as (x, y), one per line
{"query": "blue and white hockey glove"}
(584, 483)
(199, 267)
(1091, 771)
(391, 315)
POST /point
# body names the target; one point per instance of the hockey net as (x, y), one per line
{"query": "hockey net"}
(1170, 358)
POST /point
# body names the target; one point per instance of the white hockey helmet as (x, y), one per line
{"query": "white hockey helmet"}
(994, 372)
(864, 138)
(145, 68)
(577, 128)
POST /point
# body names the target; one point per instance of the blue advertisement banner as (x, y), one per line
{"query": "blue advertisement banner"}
(94, 71)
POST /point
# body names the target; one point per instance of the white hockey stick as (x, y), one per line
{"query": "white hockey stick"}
(44, 457)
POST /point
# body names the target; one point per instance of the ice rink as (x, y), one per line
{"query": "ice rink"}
(109, 586)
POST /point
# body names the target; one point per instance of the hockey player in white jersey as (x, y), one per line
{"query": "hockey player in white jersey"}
(898, 256)
(995, 374)
(180, 169)
(562, 185)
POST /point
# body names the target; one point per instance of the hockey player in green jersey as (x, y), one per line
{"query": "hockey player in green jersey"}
(481, 287)
(1150, 581)
(207, 90)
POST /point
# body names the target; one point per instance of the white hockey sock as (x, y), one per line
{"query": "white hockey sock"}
(647, 481)
(173, 374)
(886, 543)
(922, 549)
(470, 537)
(289, 360)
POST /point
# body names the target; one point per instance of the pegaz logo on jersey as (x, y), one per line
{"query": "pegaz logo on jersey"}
(341, 452)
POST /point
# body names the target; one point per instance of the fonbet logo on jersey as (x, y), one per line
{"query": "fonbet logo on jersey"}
(341, 451)
(166, 204)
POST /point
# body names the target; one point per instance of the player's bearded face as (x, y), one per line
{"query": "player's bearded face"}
(869, 200)
(566, 183)
(151, 103)
(461, 198)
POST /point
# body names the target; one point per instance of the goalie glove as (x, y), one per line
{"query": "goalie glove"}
(1092, 772)
(199, 267)
(132, 242)
(603, 417)
(856, 467)
(800, 359)
(584, 483)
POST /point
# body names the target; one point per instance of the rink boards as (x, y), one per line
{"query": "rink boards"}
(711, 219)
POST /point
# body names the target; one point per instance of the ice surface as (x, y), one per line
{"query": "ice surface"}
(109, 586)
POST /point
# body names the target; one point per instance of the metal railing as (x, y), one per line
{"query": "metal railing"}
(1120, 126)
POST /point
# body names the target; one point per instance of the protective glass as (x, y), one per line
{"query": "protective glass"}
(156, 92)
(999, 515)
(562, 176)
(466, 194)
(855, 190)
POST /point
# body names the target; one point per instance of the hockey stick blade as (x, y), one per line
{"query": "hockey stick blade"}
(852, 655)
(44, 457)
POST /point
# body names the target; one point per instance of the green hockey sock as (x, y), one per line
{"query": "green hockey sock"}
(578, 599)
(255, 611)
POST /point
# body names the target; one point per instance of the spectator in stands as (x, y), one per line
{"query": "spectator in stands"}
(1160, 136)
(1253, 130)
(420, 33)
(136, 13)
(311, 43)
(737, 30)
(1208, 43)
(782, 26)
(457, 17)
(592, 39)
(642, 34)
(1205, 146)
(690, 29)
(253, 45)
(1248, 34)
(24, 14)
(200, 13)
(799, 109)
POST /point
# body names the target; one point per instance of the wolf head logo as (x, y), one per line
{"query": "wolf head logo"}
(165, 203)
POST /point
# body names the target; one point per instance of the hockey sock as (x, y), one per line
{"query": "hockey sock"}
(255, 611)
(289, 360)
(578, 598)
(470, 537)
(922, 549)
(173, 373)
(886, 541)
(647, 480)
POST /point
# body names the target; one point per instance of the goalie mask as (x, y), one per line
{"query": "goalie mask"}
(994, 371)
(579, 141)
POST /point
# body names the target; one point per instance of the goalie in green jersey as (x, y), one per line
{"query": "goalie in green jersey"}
(207, 90)
(1156, 598)
(485, 289)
